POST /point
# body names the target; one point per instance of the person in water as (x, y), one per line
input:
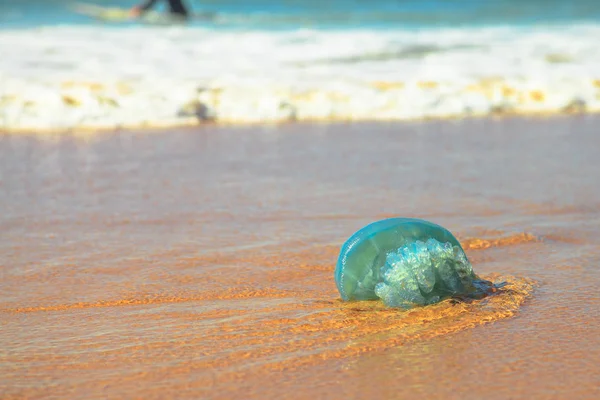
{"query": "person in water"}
(176, 8)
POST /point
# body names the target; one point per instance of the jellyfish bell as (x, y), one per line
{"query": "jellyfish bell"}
(405, 262)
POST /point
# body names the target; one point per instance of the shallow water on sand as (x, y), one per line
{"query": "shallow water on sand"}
(199, 263)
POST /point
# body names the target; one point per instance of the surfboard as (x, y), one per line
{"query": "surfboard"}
(116, 14)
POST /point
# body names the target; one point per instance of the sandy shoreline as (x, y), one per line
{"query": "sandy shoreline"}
(87, 107)
(88, 130)
(179, 264)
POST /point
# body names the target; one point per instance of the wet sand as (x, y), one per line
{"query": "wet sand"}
(198, 263)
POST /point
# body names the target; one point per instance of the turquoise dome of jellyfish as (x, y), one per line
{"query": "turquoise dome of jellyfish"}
(406, 262)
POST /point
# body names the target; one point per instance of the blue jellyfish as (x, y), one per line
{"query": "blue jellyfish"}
(406, 262)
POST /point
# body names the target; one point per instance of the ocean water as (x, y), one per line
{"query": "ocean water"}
(341, 14)
(297, 60)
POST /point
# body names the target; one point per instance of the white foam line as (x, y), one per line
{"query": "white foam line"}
(67, 77)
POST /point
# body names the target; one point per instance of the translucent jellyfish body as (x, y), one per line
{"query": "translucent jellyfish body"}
(406, 262)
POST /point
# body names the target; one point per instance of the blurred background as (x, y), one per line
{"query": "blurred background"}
(72, 64)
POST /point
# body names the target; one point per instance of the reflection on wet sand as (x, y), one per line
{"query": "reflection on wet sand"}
(182, 265)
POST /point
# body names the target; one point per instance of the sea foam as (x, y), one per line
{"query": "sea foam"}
(66, 77)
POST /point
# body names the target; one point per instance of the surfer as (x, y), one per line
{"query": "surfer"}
(176, 8)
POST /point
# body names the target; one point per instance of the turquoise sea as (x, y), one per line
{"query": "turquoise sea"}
(343, 14)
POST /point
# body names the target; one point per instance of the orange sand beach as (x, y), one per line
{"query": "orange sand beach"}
(198, 262)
